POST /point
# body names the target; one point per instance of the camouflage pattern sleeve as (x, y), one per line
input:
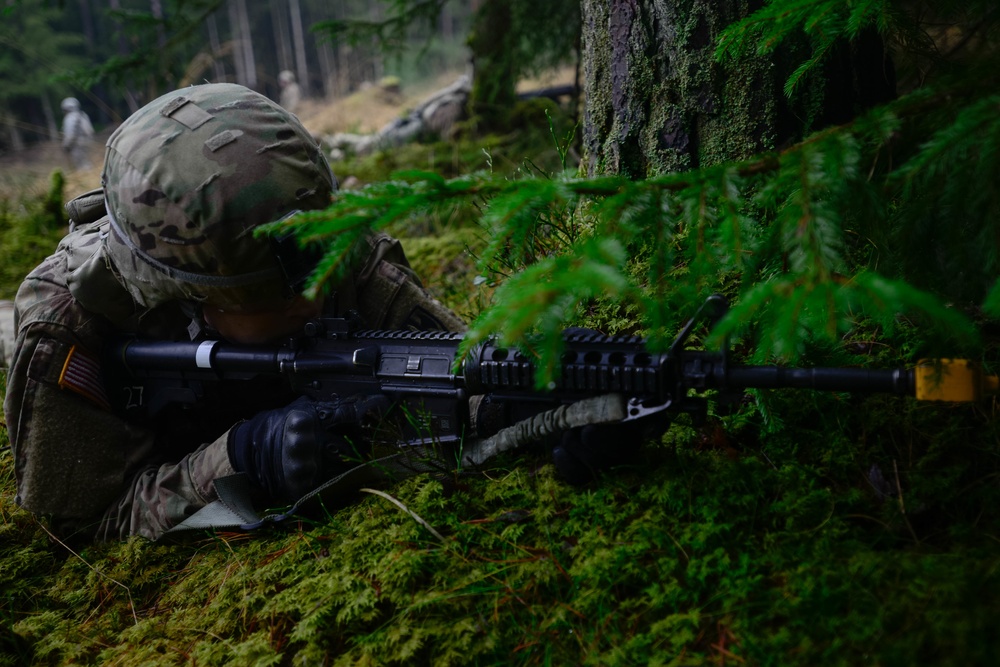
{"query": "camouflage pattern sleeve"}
(389, 295)
(159, 497)
(75, 460)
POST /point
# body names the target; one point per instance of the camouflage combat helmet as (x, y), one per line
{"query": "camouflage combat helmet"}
(189, 177)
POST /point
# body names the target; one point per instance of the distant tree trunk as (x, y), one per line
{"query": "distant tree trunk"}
(51, 123)
(343, 56)
(374, 53)
(218, 67)
(494, 79)
(327, 67)
(239, 62)
(301, 64)
(93, 50)
(658, 101)
(87, 19)
(243, 58)
(344, 80)
(250, 62)
(279, 21)
(156, 9)
(13, 133)
(130, 97)
(446, 24)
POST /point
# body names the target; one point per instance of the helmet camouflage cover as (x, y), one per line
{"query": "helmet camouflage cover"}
(189, 177)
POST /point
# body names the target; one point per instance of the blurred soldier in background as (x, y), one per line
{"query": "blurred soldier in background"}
(77, 133)
(291, 95)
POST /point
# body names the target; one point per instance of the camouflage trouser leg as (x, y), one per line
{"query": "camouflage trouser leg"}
(161, 497)
(7, 333)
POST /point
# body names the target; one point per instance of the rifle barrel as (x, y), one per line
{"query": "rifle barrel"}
(894, 381)
(151, 356)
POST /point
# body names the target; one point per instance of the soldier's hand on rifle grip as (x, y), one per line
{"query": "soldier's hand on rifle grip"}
(349, 423)
(290, 451)
(582, 453)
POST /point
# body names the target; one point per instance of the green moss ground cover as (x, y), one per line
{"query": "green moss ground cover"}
(803, 529)
(770, 550)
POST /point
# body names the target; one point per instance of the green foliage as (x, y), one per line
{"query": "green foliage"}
(170, 28)
(30, 231)
(857, 221)
(825, 22)
(777, 223)
(35, 57)
(392, 31)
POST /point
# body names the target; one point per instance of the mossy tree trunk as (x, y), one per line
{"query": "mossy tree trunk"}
(659, 101)
(495, 77)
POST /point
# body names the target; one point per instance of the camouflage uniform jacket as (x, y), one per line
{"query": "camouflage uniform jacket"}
(84, 466)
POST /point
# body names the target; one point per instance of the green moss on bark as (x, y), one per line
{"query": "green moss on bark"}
(657, 99)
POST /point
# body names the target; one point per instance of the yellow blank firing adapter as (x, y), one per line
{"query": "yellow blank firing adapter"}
(957, 380)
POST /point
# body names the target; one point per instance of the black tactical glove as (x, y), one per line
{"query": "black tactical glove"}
(582, 453)
(290, 451)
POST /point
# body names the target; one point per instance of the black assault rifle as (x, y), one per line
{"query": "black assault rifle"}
(417, 372)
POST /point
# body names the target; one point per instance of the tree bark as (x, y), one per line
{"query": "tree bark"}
(656, 100)
(494, 83)
(327, 68)
(13, 133)
(87, 21)
(130, 97)
(156, 9)
(50, 117)
(250, 63)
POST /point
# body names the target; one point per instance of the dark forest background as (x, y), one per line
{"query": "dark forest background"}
(117, 55)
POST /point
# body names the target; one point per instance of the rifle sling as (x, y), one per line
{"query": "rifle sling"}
(595, 410)
(234, 509)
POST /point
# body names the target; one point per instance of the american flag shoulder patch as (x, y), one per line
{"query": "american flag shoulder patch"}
(82, 373)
